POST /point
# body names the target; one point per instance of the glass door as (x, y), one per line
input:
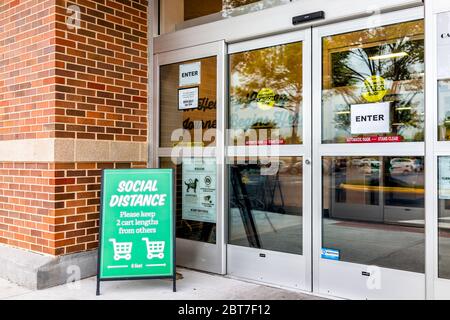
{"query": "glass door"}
(187, 132)
(268, 160)
(369, 164)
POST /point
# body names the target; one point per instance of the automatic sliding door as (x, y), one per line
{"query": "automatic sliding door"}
(269, 161)
(370, 228)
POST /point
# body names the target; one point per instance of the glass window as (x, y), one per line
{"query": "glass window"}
(180, 14)
(265, 205)
(444, 217)
(373, 85)
(196, 206)
(266, 95)
(189, 103)
(373, 210)
(444, 110)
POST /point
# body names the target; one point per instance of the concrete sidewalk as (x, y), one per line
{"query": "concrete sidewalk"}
(194, 286)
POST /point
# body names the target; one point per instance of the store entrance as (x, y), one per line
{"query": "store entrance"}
(311, 174)
(367, 124)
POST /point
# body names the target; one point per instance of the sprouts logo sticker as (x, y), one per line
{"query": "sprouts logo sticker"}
(374, 89)
(265, 99)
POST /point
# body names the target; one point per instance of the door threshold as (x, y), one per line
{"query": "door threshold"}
(275, 286)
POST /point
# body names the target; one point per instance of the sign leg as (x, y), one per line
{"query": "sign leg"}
(175, 282)
(98, 287)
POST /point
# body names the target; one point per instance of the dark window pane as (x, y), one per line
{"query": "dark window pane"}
(265, 208)
(373, 210)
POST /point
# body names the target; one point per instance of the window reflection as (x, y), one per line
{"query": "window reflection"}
(444, 110)
(265, 210)
(381, 65)
(374, 210)
(180, 14)
(266, 95)
(231, 4)
(444, 217)
(202, 117)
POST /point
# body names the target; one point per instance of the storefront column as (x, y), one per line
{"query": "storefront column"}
(73, 101)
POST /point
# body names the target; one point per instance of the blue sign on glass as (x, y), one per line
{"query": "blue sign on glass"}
(330, 254)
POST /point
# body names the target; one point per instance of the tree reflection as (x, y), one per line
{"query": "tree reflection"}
(276, 68)
(399, 62)
(231, 4)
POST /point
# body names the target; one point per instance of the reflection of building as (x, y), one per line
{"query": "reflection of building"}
(393, 187)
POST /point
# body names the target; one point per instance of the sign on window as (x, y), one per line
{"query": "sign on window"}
(370, 118)
(199, 190)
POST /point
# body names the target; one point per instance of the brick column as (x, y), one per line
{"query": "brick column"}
(72, 102)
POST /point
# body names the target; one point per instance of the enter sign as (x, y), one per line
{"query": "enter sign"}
(370, 118)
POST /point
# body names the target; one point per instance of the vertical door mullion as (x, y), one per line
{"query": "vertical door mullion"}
(431, 210)
(307, 111)
(220, 153)
(316, 111)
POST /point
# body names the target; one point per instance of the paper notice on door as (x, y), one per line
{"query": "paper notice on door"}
(188, 98)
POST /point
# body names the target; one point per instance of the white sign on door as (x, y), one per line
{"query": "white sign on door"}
(190, 74)
(444, 178)
(443, 44)
(370, 118)
(188, 98)
(199, 190)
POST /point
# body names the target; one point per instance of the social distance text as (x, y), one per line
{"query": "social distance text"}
(145, 194)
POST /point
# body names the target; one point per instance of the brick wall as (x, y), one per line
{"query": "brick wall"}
(101, 71)
(88, 82)
(85, 84)
(27, 82)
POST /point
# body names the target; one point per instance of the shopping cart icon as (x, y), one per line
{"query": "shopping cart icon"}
(122, 250)
(154, 248)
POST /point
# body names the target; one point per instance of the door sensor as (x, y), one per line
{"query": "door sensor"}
(308, 17)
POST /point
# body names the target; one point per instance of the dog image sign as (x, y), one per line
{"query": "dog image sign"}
(199, 190)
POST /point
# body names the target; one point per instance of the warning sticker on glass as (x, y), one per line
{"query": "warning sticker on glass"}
(330, 254)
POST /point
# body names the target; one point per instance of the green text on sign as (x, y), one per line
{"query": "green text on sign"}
(137, 223)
